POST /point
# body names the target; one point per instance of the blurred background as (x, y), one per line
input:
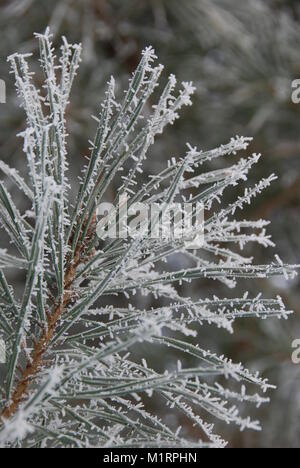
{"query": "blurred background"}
(243, 57)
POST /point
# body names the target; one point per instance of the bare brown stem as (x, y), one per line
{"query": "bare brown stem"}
(41, 345)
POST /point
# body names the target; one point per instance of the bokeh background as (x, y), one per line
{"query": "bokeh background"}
(243, 57)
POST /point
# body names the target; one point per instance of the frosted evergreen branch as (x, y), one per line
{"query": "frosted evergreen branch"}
(71, 378)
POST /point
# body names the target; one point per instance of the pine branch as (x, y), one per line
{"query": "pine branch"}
(63, 349)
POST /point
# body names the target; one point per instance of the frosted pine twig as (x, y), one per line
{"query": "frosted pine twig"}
(63, 346)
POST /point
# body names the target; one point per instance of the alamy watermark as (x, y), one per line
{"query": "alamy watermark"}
(2, 92)
(296, 353)
(296, 91)
(174, 222)
(2, 351)
(2, 342)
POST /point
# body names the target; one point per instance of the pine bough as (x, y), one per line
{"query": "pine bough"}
(70, 380)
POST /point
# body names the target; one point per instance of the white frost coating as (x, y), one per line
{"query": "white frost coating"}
(87, 359)
(21, 424)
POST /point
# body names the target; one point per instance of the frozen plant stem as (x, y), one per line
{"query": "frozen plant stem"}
(40, 346)
(62, 348)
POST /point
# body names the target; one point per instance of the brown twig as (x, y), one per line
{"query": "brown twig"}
(40, 346)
